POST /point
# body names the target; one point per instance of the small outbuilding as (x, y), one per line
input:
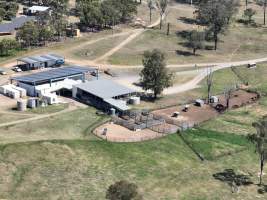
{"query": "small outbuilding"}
(37, 9)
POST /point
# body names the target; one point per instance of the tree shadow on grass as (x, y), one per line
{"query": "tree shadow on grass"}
(183, 34)
(185, 53)
(233, 179)
(263, 189)
(188, 20)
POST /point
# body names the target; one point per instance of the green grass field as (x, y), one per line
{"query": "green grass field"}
(4, 117)
(76, 124)
(59, 158)
(163, 169)
(49, 109)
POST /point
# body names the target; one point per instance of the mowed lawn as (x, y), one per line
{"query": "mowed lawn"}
(163, 169)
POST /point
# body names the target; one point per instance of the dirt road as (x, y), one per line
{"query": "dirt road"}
(135, 34)
(130, 80)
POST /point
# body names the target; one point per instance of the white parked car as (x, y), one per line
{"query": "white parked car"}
(3, 73)
(17, 69)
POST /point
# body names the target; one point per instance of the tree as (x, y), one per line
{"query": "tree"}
(123, 190)
(216, 14)
(90, 13)
(7, 45)
(155, 75)
(248, 14)
(228, 93)
(263, 3)
(109, 13)
(2, 14)
(162, 6)
(28, 34)
(196, 40)
(260, 141)
(95, 13)
(126, 8)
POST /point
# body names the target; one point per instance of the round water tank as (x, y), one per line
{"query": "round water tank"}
(112, 112)
(22, 105)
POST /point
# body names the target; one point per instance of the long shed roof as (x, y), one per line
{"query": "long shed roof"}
(104, 88)
(41, 58)
(15, 24)
(53, 74)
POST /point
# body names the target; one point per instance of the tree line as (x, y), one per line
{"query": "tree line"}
(105, 13)
(8, 10)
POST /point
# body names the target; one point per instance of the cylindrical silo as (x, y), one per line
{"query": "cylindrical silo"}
(21, 105)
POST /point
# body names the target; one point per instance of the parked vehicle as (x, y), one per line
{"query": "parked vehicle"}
(17, 69)
(3, 73)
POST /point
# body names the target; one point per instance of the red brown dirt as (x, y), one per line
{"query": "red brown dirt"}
(196, 114)
(239, 99)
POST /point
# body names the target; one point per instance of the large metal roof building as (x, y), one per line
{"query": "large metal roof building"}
(104, 88)
(53, 75)
(103, 93)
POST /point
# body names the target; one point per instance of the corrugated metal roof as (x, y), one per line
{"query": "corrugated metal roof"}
(27, 60)
(117, 104)
(52, 56)
(39, 58)
(42, 58)
(53, 74)
(104, 88)
(15, 24)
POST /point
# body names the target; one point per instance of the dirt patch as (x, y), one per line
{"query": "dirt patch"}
(239, 98)
(117, 133)
(195, 115)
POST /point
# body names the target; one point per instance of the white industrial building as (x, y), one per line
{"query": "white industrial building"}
(46, 84)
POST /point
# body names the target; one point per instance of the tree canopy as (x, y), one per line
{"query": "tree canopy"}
(105, 13)
(216, 14)
(155, 76)
(123, 190)
(260, 141)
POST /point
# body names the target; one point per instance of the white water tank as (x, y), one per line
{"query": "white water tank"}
(21, 105)
(135, 100)
(112, 111)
